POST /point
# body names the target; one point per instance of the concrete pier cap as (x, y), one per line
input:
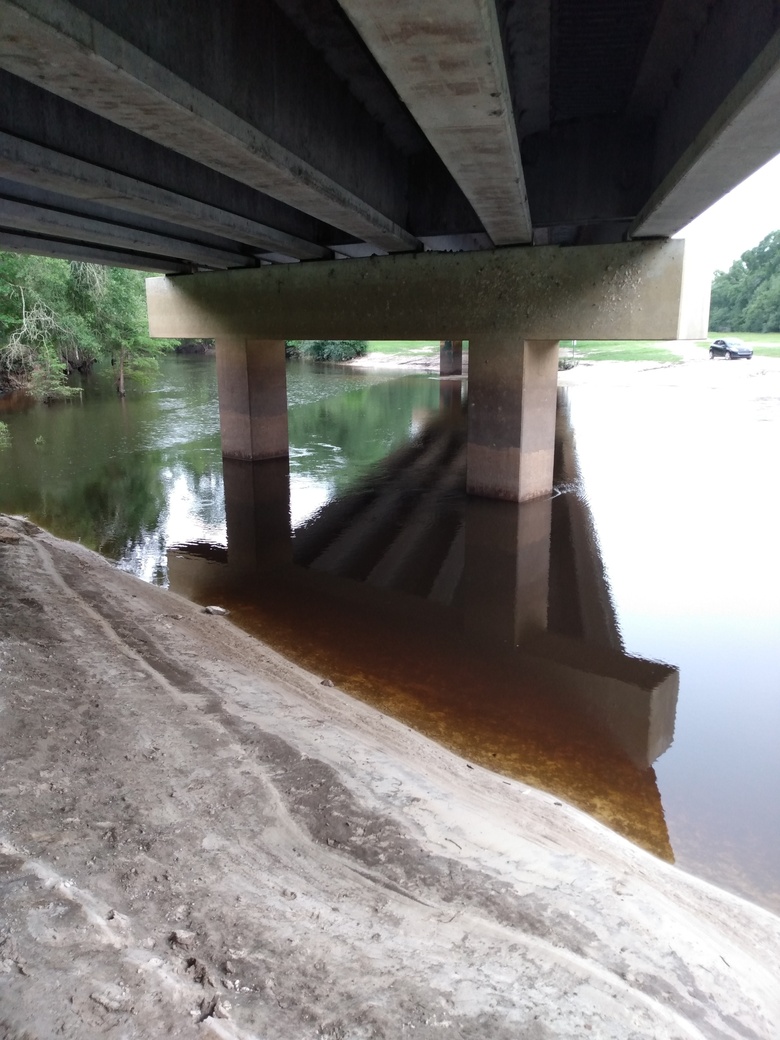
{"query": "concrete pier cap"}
(631, 290)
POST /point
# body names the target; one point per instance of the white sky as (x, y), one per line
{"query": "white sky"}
(740, 220)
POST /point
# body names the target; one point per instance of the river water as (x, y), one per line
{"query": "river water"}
(618, 645)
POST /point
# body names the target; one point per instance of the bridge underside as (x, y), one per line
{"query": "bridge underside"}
(269, 139)
(188, 135)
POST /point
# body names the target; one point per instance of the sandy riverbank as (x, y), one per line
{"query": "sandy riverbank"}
(197, 838)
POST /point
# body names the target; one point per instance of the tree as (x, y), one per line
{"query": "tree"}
(113, 302)
(747, 296)
(39, 331)
(325, 349)
(57, 317)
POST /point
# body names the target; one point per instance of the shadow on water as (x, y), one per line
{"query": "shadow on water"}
(485, 625)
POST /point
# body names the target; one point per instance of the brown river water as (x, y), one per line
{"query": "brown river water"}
(617, 644)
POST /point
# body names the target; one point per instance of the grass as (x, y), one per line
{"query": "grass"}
(406, 346)
(765, 344)
(618, 350)
(402, 346)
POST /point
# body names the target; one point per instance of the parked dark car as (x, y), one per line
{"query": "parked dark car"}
(731, 349)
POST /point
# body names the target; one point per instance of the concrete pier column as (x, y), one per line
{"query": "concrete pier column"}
(252, 385)
(512, 396)
(450, 357)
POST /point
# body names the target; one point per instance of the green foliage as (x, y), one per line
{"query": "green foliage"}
(5, 435)
(747, 296)
(326, 349)
(59, 317)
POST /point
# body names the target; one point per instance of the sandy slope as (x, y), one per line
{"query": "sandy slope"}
(199, 839)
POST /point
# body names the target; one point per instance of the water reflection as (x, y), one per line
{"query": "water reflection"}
(443, 610)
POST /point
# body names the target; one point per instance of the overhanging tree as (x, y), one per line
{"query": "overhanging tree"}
(58, 316)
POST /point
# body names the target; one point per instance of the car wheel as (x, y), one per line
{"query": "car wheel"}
(729, 357)
(712, 355)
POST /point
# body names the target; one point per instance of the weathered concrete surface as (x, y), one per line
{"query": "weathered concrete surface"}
(29, 163)
(189, 822)
(635, 290)
(81, 229)
(252, 384)
(446, 60)
(513, 385)
(59, 47)
(715, 130)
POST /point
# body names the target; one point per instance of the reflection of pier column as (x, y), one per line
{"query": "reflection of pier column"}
(512, 394)
(451, 397)
(257, 511)
(450, 357)
(252, 384)
(505, 585)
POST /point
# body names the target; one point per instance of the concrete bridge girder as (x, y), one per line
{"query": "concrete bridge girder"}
(294, 130)
(513, 305)
(446, 60)
(58, 47)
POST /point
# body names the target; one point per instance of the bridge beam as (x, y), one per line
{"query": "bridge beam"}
(716, 129)
(59, 47)
(446, 60)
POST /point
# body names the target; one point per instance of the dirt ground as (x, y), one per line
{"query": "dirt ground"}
(199, 839)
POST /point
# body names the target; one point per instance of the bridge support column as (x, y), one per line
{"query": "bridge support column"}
(451, 357)
(252, 384)
(512, 396)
